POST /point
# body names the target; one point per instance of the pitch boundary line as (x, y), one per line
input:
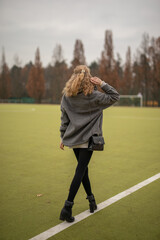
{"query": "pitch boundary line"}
(62, 226)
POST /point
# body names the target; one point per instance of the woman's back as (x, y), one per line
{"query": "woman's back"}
(82, 115)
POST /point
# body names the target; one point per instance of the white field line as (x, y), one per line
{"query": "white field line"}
(60, 227)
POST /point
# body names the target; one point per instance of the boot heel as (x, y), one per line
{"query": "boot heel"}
(61, 217)
(91, 208)
(92, 203)
(66, 212)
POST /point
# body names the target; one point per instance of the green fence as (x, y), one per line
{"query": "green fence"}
(18, 100)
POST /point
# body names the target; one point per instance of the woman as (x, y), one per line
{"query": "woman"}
(81, 117)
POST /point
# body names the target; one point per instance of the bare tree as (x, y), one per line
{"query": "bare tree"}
(57, 54)
(78, 54)
(17, 61)
(127, 78)
(107, 64)
(5, 80)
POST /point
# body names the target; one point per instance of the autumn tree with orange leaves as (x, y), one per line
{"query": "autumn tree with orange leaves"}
(141, 75)
(144, 69)
(36, 82)
(154, 57)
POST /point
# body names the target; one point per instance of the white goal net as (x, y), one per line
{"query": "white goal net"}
(131, 100)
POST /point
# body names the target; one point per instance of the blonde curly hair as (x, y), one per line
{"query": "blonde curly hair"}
(79, 82)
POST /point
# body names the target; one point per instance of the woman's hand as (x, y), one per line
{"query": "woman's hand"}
(96, 81)
(61, 145)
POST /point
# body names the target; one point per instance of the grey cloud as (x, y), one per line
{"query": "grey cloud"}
(24, 25)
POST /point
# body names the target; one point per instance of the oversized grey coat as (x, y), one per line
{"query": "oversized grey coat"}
(81, 116)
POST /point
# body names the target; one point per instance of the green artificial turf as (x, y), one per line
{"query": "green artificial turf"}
(32, 163)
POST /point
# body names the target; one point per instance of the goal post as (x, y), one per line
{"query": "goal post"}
(131, 100)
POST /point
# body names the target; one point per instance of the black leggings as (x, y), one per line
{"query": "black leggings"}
(81, 174)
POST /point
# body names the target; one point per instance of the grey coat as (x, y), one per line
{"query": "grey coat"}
(81, 116)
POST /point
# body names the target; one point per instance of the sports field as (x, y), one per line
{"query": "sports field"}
(32, 163)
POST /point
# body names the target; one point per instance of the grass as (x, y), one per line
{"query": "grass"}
(32, 163)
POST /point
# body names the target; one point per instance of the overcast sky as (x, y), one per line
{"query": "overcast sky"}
(28, 24)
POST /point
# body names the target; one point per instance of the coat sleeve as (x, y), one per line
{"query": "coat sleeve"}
(64, 122)
(108, 98)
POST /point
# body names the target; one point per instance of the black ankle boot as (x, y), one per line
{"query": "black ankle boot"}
(66, 212)
(92, 203)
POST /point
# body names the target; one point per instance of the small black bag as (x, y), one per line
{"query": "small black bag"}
(96, 143)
